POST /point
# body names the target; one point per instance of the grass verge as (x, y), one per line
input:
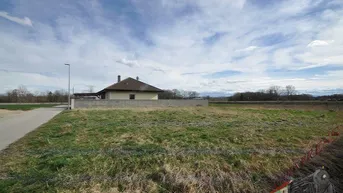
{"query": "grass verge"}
(25, 107)
(220, 148)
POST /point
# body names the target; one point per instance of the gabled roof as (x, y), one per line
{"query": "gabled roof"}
(130, 84)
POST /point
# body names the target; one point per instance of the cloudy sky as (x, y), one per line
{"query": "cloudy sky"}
(217, 46)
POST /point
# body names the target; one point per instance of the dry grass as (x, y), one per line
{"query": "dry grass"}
(214, 149)
(6, 113)
(331, 160)
(315, 106)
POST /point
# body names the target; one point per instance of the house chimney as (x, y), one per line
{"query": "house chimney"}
(137, 78)
(118, 78)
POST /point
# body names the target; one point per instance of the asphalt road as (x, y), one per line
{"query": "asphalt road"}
(15, 127)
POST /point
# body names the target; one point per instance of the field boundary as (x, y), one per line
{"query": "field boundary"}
(300, 105)
(280, 102)
(79, 103)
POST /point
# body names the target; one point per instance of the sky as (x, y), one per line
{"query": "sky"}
(215, 47)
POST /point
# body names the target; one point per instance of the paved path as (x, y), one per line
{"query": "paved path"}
(15, 127)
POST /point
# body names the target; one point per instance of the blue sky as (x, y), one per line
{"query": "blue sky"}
(219, 46)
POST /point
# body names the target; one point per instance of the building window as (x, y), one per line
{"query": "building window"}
(132, 97)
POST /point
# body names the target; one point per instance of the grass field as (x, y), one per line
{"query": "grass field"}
(205, 149)
(294, 105)
(25, 107)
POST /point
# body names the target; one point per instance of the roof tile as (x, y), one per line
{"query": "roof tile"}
(130, 84)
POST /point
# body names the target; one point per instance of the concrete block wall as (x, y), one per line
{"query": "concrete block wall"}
(79, 103)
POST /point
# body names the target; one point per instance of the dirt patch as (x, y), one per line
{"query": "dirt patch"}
(6, 113)
(332, 160)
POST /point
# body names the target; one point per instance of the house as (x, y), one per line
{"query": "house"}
(130, 88)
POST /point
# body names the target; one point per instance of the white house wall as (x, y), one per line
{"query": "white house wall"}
(126, 95)
(146, 96)
(107, 95)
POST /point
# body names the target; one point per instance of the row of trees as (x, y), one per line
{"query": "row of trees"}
(273, 93)
(334, 97)
(278, 93)
(178, 94)
(22, 95)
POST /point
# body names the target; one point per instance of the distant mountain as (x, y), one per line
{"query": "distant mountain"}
(311, 92)
(322, 92)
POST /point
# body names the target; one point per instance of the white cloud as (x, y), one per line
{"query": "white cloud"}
(294, 7)
(335, 74)
(316, 43)
(129, 63)
(24, 21)
(309, 66)
(250, 48)
(101, 46)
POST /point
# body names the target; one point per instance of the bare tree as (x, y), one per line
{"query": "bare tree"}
(12, 95)
(193, 94)
(290, 91)
(22, 93)
(178, 94)
(275, 92)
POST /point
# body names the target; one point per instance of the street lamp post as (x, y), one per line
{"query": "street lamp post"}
(68, 85)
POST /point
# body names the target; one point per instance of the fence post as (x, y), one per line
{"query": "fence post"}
(72, 104)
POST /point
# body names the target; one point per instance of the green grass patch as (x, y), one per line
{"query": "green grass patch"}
(201, 149)
(25, 107)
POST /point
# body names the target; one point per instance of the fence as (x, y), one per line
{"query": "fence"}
(79, 103)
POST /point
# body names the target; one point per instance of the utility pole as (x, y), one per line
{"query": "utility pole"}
(68, 86)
